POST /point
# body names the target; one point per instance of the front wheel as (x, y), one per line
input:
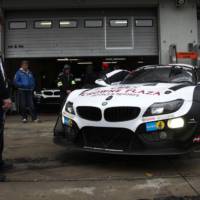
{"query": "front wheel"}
(59, 128)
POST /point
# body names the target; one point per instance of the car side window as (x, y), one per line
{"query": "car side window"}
(118, 77)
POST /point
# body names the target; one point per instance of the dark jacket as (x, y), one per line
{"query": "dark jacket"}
(65, 82)
(24, 80)
(4, 94)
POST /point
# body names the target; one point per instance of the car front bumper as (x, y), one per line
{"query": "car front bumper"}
(126, 142)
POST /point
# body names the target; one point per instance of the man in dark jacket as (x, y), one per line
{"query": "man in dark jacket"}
(65, 82)
(25, 83)
(5, 103)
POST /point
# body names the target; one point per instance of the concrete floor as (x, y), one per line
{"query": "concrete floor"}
(44, 171)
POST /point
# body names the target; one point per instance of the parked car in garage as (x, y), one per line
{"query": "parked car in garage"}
(154, 111)
(47, 97)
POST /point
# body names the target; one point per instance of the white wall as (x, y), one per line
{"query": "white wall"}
(177, 26)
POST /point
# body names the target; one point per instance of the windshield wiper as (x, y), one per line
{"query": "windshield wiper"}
(189, 82)
(157, 81)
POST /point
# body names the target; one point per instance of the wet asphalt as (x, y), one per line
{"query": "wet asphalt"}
(43, 170)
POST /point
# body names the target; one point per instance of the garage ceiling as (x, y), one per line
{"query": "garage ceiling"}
(60, 4)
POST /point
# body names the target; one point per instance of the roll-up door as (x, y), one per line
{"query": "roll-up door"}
(81, 33)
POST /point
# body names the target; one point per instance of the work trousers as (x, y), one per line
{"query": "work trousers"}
(26, 104)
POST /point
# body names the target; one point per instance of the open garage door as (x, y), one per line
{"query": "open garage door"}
(81, 33)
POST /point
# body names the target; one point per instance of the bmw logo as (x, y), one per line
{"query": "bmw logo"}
(104, 103)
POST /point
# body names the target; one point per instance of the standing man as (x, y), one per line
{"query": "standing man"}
(25, 83)
(5, 104)
(65, 82)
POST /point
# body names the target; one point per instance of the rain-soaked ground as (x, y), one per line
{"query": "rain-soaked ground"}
(44, 171)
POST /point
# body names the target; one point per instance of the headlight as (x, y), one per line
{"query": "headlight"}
(176, 123)
(69, 108)
(164, 108)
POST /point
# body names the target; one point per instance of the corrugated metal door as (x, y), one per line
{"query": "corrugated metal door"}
(119, 37)
(97, 33)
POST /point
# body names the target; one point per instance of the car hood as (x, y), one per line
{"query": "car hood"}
(141, 95)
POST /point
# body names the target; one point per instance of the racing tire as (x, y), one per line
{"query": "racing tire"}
(58, 128)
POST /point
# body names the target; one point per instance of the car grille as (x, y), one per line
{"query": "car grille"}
(119, 114)
(48, 93)
(57, 93)
(89, 113)
(107, 138)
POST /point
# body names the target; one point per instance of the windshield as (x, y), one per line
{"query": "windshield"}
(161, 75)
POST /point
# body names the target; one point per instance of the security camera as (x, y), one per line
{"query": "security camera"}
(180, 3)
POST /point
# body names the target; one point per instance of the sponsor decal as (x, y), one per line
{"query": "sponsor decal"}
(120, 91)
(149, 119)
(156, 118)
(68, 115)
(68, 122)
(155, 126)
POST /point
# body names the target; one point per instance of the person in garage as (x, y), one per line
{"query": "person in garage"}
(65, 82)
(105, 68)
(25, 83)
(5, 104)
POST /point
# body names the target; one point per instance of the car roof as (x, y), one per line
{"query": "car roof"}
(182, 65)
(169, 65)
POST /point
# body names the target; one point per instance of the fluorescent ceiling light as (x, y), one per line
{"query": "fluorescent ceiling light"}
(115, 59)
(121, 22)
(62, 59)
(65, 23)
(85, 63)
(68, 59)
(73, 59)
(110, 62)
(45, 23)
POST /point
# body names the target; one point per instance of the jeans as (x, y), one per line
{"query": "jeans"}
(26, 104)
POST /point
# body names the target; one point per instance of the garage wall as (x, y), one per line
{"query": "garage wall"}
(81, 41)
(178, 25)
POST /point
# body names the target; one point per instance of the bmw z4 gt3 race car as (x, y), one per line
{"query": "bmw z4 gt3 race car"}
(155, 110)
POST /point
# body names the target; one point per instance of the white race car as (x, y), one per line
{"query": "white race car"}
(155, 110)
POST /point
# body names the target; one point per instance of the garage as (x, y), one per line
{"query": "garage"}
(124, 38)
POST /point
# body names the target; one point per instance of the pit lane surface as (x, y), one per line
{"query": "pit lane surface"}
(43, 170)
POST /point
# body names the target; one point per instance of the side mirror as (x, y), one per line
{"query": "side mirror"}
(101, 82)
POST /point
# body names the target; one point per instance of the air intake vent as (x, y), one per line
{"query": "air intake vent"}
(89, 113)
(120, 114)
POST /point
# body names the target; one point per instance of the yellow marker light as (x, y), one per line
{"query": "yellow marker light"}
(160, 125)
(176, 123)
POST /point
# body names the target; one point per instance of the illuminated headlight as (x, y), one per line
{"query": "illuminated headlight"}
(69, 108)
(176, 123)
(164, 108)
